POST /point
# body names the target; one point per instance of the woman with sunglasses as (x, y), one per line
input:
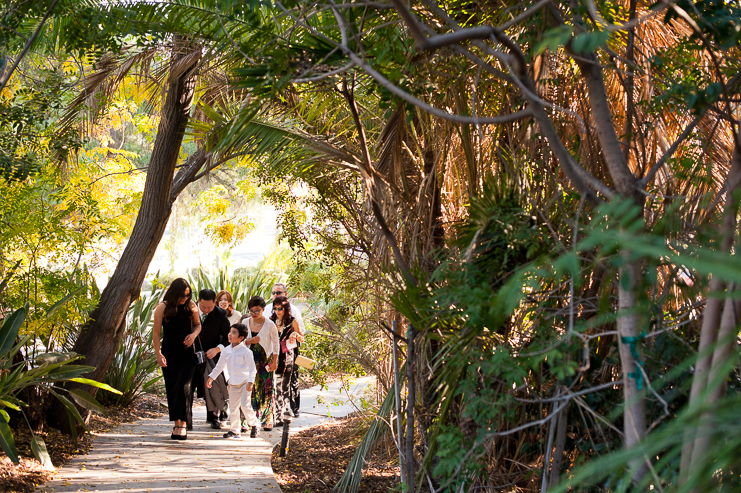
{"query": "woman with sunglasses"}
(290, 335)
(265, 350)
(176, 318)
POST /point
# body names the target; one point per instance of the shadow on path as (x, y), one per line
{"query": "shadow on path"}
(140, 457)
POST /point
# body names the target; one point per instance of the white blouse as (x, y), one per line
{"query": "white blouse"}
(235, 318)
(269, 339)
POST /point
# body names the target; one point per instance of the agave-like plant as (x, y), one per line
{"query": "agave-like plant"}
(134, 367)
(241, 286)
(45, 370)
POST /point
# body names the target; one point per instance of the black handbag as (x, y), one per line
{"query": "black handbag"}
(199, 357)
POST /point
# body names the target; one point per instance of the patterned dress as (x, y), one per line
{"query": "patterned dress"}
(285, 375)
(262, 393)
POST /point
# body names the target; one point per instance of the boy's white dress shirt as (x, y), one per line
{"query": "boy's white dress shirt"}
(239, 369)
(237, 363)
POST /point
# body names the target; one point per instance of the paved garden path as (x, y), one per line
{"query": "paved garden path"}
(139, 457)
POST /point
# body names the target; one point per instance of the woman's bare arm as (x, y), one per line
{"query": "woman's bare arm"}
(156, 332)
(196, 325)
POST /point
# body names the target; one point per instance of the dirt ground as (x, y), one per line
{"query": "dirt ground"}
(317, 458)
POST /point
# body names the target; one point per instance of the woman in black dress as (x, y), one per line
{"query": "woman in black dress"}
(178, 321)
(289, 335)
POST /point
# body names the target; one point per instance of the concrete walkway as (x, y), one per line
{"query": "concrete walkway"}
(139, 457)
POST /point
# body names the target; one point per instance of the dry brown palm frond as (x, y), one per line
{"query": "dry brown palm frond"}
(185, 64)
(151, 69)
(387, 146)
(98, 87)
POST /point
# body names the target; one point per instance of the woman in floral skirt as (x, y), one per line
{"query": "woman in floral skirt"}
(265, 349)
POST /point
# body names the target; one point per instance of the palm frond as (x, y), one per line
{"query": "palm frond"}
(350, 480)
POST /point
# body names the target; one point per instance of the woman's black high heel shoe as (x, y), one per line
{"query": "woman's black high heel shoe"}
(178, 437)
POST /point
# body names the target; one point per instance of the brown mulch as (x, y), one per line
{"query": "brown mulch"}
(306, 381)
(28, 474)
(317, 458)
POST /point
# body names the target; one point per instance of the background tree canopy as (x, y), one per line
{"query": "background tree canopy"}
(543, 195)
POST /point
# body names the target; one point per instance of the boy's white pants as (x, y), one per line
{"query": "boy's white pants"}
(239, 397)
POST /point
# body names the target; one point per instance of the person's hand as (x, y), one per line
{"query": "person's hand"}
(161, 360)
(300, 338)
(189, 340)
(273, 366)
(209, 382)
(250, 385)
(212, 352)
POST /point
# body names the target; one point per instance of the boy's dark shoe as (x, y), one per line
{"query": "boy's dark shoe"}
(231, 434)
(255, 432)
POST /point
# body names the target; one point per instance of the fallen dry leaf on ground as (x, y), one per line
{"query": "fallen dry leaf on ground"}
(24, 477)
(317, 458)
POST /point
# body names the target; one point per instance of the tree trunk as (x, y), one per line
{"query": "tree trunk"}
(718, 374)
(629, 328)
(100, 337)
(411, 400)
(560, 444)
(711, 322)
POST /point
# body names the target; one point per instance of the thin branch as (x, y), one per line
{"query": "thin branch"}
(28, 45)
(13, 31)
(508, 118)
(323, 76)
(601, 418)
(370, 184)
(234, 43)
(573, 395)
(143, 169)
(524, 15)
(662, 6)
(393, 334)
(670, 152)
(716, 64)
(383, 81)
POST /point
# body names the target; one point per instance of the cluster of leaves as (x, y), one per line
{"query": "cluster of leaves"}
(508, 341)
(45, 370)
(46, 229)
(719, 21)
(29, 140)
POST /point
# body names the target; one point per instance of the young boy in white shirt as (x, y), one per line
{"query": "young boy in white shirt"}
(239, 369)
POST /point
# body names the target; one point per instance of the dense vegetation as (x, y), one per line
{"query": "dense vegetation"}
(542, 197)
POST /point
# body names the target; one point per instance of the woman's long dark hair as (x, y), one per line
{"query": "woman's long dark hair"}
(173, 295)
(282, 301)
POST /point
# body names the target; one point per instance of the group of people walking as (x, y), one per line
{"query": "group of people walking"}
(245, 362)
